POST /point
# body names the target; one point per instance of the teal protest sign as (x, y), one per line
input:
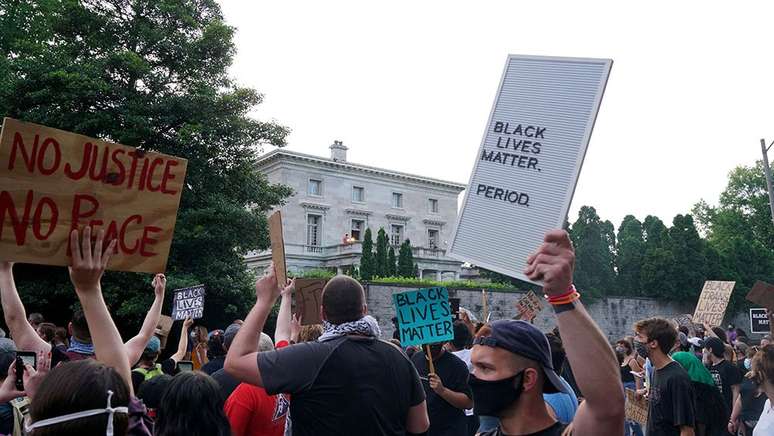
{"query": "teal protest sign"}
(424, 316)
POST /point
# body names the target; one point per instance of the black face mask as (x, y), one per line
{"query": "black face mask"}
(642, 349)
(490, 398)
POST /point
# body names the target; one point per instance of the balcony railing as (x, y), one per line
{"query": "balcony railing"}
(355, 248)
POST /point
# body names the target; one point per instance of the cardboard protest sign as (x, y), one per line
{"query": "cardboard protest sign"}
(52, 181)
(762, 293)
(188, 303)
(684, 320)
(712, 303)
(529, 160)
(759, 321)
(424, 316)
(636, 409)
(309, 300)
(529, 306)
(163, 328)
(278, 247)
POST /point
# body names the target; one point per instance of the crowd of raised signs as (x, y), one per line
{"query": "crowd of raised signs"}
(346, 377)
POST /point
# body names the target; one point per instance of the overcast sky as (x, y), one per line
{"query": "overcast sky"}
(409, 86)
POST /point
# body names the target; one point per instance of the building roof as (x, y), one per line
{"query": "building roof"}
(280, 154)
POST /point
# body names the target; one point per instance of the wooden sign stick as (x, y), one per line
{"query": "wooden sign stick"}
(429, 359)
(278, 248)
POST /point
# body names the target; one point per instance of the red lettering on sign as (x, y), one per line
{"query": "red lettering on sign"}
(77, 175)
(37, 220)
(80, 211)
(167, 177)
(29, 158)
(19, 225)
(42, 155)
(98, 175)
(157, 161)
(122, 239)
(147, 240)
(121, 170)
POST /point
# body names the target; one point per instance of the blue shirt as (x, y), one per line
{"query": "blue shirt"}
(564, 405)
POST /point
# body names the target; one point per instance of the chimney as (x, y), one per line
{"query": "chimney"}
(338, 151)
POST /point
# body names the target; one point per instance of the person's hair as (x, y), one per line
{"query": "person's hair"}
(660, 330)
(741, 348)
(626, 344)
(343, 299)
(684, 329)
(462, 337)
(60, 334)
(767, 363)
(720, 333)
(149, 357)
(80, 327)
(215, 346)
(310, 333)
(47, 331)
(152, 390)
(740, 333)
(201, 333)
(752, 351)
(729, 353)
(36, 318)
(75, 387)
(557, 351)
(192, 404)
(755, 374)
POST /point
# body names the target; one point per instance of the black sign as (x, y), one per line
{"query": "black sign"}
(188, 303)
(759, 321)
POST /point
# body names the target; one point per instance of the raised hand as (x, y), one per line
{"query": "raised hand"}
(33, 377)
(266, 288)
(159, 285)
(88, 265)
(553, 263)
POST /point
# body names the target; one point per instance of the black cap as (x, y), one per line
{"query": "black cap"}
(715, 345)
(524, 339)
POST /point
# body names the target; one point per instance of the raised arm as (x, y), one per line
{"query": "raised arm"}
(25, 337)
(182, 344)
(588, 351)
(242, 357)
(85, 273)
(136, 345)
(283, 330)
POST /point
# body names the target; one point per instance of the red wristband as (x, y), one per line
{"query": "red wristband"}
(569, 292)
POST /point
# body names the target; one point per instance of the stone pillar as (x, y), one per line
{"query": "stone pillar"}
(438, 276)
(420, 273)
(339, 270)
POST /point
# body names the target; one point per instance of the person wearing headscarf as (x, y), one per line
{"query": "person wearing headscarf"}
(711, 412)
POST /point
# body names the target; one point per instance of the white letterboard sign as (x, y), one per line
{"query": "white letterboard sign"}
(529, 160)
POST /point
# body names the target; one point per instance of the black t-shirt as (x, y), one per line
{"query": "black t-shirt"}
(445, 419)
(671, 401)
(752, 401)
(554, 430)
(213, 365)
(725, 375)
(227, 383)
(6, 418)
(345, 386)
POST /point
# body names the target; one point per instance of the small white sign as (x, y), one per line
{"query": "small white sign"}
(529, 160)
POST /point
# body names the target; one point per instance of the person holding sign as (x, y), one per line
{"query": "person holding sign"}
(512, 367)
(347, 383)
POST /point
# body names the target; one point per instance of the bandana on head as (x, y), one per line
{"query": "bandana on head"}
(366, 326)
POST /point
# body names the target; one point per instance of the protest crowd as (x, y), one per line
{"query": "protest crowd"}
(343, 377)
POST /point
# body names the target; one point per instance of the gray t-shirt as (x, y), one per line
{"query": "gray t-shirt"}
(350, 385)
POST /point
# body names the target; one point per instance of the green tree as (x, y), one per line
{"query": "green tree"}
(657, 262)
(406, 260)
(593, 254)
(151, 75)
(382, 244)
(367, 260)
(688, 250)
(629, 254)
(391, 263)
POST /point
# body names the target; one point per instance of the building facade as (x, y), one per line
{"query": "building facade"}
(335, 201)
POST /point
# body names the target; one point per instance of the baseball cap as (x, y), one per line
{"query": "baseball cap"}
(215, 343)
(153, 345)
(716, 346)
(524, 339)
(7, 355)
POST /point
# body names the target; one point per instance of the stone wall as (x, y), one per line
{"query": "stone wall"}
(614, 315)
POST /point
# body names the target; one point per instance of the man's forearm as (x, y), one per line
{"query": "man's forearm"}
(456, 399)
(246, 340)
(15, 315)
(591, 358)
(282, 331)
(136, 345)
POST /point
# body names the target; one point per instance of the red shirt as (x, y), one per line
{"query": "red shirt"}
(251, 411)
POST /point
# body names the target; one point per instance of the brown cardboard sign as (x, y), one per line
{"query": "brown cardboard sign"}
(762, 293)
(636, 409)
(529, 306)
(712, 304)
(278, 248)
(309, 299)
(53, 181)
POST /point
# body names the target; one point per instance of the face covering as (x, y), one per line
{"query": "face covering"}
(490, 398)
(642, 349)
(747, 364)
(621, 350)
